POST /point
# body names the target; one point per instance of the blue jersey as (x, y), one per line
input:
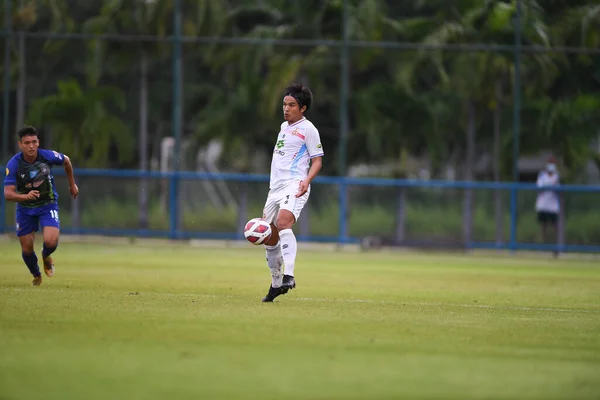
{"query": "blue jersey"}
(34, 176)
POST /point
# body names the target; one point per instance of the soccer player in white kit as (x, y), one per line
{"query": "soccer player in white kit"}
(297, 159)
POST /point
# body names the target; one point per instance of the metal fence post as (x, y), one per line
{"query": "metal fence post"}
(399, 233)
(175, 228)
(467, 218)
(344, 84)
(344, 87)
(6, 98)
(242, 211)
(561, 225)
(2, 214)
(513, 217)
(343, 211)
(516, 127)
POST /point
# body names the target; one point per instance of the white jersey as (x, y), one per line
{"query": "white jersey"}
(547, 201)
(296, 145)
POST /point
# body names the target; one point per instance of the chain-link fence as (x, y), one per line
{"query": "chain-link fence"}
(469, 92)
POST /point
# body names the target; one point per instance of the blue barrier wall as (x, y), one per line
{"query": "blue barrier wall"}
(339, 184)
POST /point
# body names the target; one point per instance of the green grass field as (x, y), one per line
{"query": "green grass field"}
(172, 321)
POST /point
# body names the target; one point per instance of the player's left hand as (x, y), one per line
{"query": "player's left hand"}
(74, 191)
(302, 188)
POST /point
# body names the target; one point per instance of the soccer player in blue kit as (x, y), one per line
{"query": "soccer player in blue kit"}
(30, 184)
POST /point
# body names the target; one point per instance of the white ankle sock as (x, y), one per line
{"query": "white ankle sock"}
(275, 261)
(289, 248)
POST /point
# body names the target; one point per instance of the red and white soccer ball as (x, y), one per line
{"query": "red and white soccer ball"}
(257, 231)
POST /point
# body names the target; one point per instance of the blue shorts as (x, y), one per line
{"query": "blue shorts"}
(30, 219)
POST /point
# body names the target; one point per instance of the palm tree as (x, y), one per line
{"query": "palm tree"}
(480, 77)
(248, 81)
(248, 73)
(84, 125)
(25, 17)
(574, 94)
(140, 17)
(150, 17)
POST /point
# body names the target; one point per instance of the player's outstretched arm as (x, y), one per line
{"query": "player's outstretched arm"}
(71, 177)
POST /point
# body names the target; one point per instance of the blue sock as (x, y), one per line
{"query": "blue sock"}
(46, 251)
(31, 261)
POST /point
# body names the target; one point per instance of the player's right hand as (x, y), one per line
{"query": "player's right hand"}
(74, 191)
(34, 194)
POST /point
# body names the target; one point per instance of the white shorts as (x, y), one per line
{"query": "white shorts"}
(284, 198)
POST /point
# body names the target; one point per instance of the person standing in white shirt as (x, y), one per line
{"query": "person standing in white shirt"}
(547, 204)
(297, 159)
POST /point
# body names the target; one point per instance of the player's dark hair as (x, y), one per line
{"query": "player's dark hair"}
(27, 131)
(302, 94)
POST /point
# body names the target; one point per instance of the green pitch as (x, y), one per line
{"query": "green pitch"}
(159, 321)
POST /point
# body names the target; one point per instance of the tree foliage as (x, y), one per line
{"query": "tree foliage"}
(414, 101)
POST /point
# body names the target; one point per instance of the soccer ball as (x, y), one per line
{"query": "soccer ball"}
(257, 231)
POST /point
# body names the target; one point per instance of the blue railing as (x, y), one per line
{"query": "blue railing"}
(342, 184)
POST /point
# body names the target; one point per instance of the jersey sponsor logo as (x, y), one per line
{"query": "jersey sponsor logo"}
(57, 155)
(280, 144)
(319, 146)
(281, 153)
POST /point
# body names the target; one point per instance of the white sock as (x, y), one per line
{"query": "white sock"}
(275, 261)
(289, 248)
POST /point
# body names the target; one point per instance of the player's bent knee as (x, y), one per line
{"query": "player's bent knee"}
(27, 248)
(26, 242)
(50, 238)
(51, 235)
(52, 243)
(285, 220)
(288, 224)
